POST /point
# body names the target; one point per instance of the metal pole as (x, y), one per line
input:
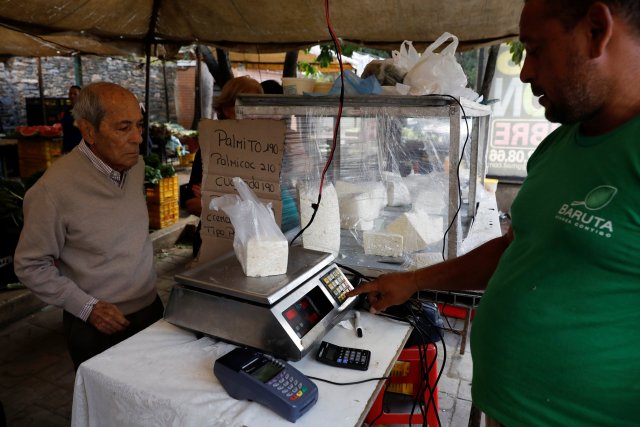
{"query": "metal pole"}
(197, 110)
(41, 90)
(166, 89)
(149, 40)
(145, 133)
(77, 69)
(480, 66)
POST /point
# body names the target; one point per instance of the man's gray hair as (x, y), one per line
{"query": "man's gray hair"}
(89, 106)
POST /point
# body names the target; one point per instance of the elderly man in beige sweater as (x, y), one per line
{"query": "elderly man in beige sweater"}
(85, 244)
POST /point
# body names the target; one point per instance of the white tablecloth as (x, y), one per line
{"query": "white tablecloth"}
(163, 376)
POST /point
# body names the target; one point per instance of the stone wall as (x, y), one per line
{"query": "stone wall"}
(19, 80)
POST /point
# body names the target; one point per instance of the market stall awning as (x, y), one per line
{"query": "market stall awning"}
(112, 26)
(275, 61)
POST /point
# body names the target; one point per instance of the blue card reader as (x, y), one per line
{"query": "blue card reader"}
(250, 375)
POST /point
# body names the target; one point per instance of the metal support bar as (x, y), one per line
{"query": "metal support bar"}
(149, 40)
(454, 185)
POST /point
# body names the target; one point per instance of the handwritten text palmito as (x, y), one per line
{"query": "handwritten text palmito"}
(252, 145)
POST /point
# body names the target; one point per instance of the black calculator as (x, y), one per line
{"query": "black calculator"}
(343, 357)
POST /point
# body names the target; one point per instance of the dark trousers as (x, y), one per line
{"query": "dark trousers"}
(84, 341)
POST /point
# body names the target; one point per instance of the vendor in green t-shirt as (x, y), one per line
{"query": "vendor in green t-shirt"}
(556, 339)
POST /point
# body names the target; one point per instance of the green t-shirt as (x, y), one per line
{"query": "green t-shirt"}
(556, 340)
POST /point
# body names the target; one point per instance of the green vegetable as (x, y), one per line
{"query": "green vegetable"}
(151, 175)
(155, 170)
(152, 160)
(167, 171)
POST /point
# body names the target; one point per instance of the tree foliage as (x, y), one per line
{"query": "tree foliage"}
(516, 49)
(327, 55)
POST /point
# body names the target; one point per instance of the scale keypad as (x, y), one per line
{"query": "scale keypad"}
(337, 284)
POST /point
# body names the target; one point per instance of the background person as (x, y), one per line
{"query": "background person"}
(293, 154)
(225, 108)
(555, 341)
(85, 243)
(71, 135)
(272, 87)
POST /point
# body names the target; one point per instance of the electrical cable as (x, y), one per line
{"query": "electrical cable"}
(355, 272)
(349, 383)
(417, 401)
(426, 372)
(425, 367)
(466, 140)
(336, 128)
(377, 417)
(446, 318)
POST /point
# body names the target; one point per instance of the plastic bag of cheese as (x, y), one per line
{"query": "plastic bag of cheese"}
(258, 242)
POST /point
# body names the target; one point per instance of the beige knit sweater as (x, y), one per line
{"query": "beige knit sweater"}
(84, 236)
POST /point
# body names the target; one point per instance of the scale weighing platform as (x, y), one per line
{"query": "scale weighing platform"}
(285, 315)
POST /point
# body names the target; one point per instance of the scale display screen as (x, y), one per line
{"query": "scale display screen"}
(307, 312)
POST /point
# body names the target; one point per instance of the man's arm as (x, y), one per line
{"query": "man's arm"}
(40, 244)
(471, 271)
(194, 204)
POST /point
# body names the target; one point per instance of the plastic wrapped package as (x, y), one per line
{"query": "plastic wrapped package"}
(258, 243)
(391, 172)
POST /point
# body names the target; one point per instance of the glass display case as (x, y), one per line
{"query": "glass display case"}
(404, 166)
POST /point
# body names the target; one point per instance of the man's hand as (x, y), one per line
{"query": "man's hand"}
(387, 290)
(197, 190)
(107, 318)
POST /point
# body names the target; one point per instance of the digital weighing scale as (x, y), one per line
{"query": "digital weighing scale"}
(285, 315)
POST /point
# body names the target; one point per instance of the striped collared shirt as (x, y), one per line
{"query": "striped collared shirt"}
(87, 308)
(118, 178)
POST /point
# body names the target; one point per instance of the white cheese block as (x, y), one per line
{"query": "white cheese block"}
(418, 229)
(265, 257)
(431, 202)
(383, 244)
(390, 176)
(425, 259)
(360, 203)
(357, 211)
(324, 233)
(398, 194)
(375, 190)
(379, 192)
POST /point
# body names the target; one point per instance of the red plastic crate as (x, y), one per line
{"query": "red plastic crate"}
(409, 380)
(457, 312)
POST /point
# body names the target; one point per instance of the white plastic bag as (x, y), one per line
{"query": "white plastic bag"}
(439, 73)
(405, 58)
(391, 71)
(258, 242)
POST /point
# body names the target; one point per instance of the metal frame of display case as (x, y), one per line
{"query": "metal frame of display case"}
(436, 106)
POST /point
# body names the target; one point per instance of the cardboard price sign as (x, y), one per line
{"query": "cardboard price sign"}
(250, 149)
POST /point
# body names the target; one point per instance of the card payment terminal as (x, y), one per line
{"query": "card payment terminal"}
(250, 375)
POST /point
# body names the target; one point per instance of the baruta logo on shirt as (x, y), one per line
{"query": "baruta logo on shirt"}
(581, 214)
